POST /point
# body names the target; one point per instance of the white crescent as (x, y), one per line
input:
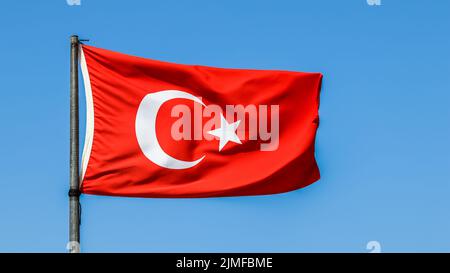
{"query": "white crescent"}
(146, 129)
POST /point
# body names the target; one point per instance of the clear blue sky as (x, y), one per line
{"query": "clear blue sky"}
(383, 144)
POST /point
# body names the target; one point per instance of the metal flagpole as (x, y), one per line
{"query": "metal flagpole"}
(74, 192)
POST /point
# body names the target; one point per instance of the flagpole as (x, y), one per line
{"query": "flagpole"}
(74, 192)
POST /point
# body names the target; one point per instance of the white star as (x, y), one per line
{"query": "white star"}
(226, 132)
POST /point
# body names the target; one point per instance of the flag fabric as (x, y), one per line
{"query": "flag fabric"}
(159, 129)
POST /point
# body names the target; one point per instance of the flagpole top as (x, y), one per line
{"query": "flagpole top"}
(74, 39)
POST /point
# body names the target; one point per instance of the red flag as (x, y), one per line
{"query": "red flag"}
(158, 129)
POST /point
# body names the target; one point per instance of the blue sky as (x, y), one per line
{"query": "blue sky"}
(382, 146)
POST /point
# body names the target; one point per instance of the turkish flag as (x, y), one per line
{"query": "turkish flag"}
(159, 129)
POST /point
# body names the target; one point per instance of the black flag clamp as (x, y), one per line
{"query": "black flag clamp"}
(74, 193)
